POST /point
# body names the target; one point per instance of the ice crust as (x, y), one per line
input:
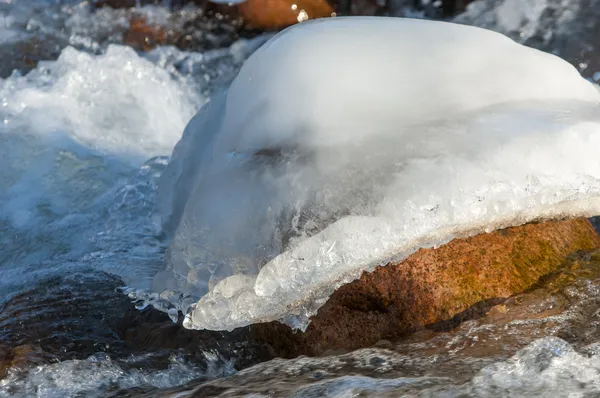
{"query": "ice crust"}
(343, 144)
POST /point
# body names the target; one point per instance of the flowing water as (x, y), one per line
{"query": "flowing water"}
(87, 122)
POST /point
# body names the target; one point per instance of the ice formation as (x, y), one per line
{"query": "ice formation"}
(345, 143)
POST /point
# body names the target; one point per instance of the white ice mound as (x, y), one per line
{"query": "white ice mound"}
(348, 142)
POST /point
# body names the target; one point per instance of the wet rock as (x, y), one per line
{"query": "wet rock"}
(19, 357)
(144, 36)
(129, 3)
(561, 306)
(201, 28)
(209, 23)
(277, 14)
(83, 316)
(153, 331)
(209, 26)
(443, 286)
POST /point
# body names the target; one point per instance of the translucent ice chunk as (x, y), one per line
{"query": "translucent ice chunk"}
(345, 143)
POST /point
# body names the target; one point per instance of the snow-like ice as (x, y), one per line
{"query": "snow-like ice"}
(346, 143)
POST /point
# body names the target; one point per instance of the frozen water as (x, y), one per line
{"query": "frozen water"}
(318, 164)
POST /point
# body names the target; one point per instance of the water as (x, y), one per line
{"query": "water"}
(81, 134)
(86, 123)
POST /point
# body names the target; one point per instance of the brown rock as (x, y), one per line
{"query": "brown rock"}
(20, 357)
(143, 36)
(277, 14)
(442, 286)
(563, 304)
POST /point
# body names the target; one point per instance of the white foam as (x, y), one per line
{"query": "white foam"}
(337, 149)
(7, 33)
(67, 114)
(99, 375)
(116, 102)
(73, 133)
(547, 367)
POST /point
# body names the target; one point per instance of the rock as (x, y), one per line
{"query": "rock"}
(442, 286)
(277, 14)
(19, 357)
(152, 331)
(252, 16)
(82, 315)
(562, 305)
(143, 36)
(256, 14)
(203, 27)
(130, 3)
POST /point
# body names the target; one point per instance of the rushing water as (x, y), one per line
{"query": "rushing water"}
(86, 123)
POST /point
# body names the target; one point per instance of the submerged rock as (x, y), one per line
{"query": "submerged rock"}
(434, 286)
(144, 36)
(82, 318)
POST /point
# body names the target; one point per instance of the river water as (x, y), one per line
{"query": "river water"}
(86, 127)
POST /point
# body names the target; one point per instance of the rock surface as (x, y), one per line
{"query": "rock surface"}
(277, 14)
(434, 287)
(269, 15)
(81, 316)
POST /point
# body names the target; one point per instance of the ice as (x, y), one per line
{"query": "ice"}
(325, 160)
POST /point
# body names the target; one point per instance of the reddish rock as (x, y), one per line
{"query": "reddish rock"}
(19, 357)
(455, 281)
(277, 14)
(563, 304)
(143, 36)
